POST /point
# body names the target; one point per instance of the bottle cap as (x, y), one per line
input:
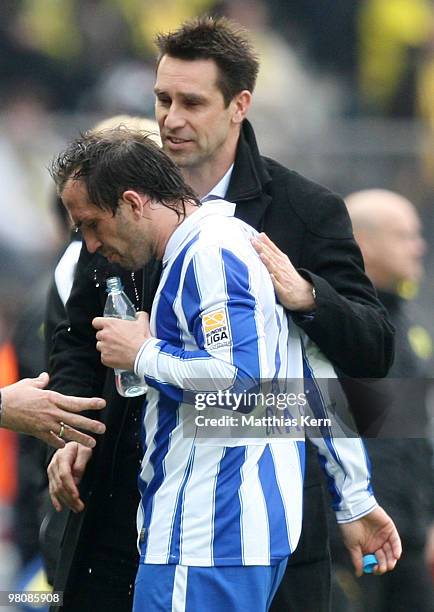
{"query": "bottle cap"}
(114, 284)
(369, 563)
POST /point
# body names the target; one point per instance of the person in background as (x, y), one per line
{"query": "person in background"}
(388, 230)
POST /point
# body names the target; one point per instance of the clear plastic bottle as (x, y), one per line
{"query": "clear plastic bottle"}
(119, 306)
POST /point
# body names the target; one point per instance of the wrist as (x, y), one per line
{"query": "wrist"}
(4, 405)
(307, 297)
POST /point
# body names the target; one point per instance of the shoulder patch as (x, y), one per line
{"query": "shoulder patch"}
(216, 329)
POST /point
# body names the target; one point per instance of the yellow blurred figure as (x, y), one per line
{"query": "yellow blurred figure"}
(388, 30)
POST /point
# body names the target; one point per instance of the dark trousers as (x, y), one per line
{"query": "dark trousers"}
(108, 586)
(306, 583)
(408, 588)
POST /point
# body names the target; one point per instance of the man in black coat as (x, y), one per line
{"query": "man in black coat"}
(205, 78)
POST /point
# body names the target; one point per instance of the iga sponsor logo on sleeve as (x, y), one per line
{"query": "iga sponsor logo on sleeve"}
(216, 329)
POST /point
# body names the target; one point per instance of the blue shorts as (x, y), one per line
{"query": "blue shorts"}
(181, 588)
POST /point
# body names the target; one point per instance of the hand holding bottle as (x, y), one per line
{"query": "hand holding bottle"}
(119, 341)
(119, 337)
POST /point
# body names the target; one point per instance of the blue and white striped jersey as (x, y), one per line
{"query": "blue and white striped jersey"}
(222, 501)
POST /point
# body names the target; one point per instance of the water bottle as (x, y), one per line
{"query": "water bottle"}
(119, 306)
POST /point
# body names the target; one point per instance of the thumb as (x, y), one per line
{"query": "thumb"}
(40, 381)
(81, 460)
(142, 316)
(356, 558)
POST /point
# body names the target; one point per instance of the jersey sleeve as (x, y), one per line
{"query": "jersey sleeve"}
(342, 453)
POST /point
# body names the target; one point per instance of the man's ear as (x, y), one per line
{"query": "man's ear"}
(137, 202)
(241, 105)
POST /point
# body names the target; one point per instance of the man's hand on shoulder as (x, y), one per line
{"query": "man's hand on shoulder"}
(293, 291)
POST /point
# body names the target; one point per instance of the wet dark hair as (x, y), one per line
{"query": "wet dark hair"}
(112, 161)
(218, 39)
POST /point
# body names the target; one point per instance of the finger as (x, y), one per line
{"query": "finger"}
(66, 491)
(390, 558)
(395, 542)
(269, 244)
(264, 249)
(52, 439)
(40, 381)
(76, 404)
(56, 503)
(275, 254)
(143, 317)
(278, 287)
(72, 435)
(382, 562)
(268, 263)
(99, 322)
(78, 421)
(357, 560)
(52, 486)
(73, 503)
(81, 461)
(98, 346)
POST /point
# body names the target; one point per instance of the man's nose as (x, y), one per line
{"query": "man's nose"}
(174, 118)
(92, 243)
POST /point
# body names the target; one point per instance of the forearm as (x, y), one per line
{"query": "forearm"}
(353, 332)
(161, 362)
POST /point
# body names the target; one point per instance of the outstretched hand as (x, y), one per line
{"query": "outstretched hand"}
(30, 409)
(374, 533)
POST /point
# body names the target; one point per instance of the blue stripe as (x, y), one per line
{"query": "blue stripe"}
(241, 307)
(277, 360)
(191, 304)
(166, 320)
(175, 539)
(279, 542)
(301, 449)
(227, 545)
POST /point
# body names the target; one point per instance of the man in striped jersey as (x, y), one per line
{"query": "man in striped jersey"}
(218, 518)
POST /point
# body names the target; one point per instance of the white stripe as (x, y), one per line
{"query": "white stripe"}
(165, 500)
(139, 522)
(150, 425)
(179, 596)
(198, 511)
(212, 283)
(266, 344)
(290, 481)
(254, 517)
(65, 270)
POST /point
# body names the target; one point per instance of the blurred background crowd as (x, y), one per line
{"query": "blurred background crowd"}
(345, 95)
